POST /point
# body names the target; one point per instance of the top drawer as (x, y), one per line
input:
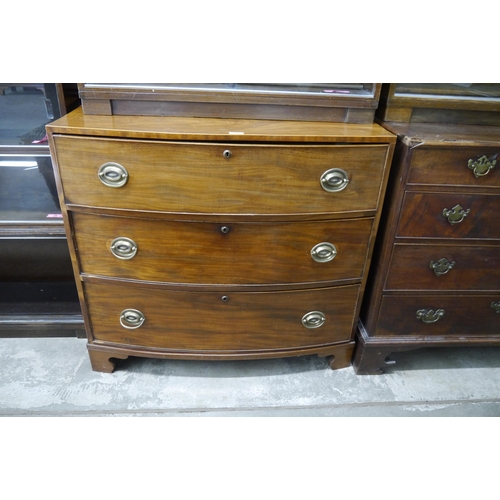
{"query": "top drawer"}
(221, 178)
(456, 166)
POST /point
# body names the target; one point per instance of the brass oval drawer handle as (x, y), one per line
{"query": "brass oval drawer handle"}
(456, 215)
(323, 252)
(496, 306)
(482, 166)
(131, 319)
(442, 266)
(313, 319)
(113, 175)
(123, 248)
(334, 180)
(429, 315)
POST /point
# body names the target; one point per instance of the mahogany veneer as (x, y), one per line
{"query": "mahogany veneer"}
(214, 238)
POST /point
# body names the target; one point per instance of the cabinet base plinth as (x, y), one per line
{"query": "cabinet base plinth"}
(371, 353)
(103, 357)
(341, 356)
(102, 361)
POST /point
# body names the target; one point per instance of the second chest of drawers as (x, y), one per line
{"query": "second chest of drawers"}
(436, 274)
(219, 239)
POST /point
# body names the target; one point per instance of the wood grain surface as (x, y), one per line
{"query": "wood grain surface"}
(204, 321)
(197, 178)
(449, 166)
(422, 216)
(204, 253)
(475, 268)
(464, 316)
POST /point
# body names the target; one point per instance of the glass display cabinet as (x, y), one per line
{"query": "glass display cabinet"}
(38, 295)
(331, 102)
(454, 103)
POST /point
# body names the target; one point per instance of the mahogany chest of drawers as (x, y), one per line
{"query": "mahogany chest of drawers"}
(219, 238)
(435, 276)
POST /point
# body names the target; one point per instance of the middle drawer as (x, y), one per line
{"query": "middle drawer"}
(216, 253)
(444, 267)
(449, 215)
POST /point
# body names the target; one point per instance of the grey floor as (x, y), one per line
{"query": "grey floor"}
(53, 377)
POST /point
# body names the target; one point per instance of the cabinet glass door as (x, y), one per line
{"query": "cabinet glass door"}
(38, 295)
(285, 89)
(27, 187)
(25, 109)
(27, 190)
(466, 91)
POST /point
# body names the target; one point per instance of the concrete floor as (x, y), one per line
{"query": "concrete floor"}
(53, 377)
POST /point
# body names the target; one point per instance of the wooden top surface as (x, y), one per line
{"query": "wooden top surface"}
(440, 134)
(217, 129)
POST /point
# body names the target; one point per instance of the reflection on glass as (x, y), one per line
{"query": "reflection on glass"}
(28, 190)
(469, 91)
(27, 186)
(349, 89)
(25, 109)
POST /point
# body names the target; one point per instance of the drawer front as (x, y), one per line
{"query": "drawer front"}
(221, 178)
(444, 267)
(428, 215)
(440, 315)
(210, 253)
(232, 321)
(456, 166)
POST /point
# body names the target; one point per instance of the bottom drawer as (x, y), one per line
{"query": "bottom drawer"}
(439, 315)
(221, 321)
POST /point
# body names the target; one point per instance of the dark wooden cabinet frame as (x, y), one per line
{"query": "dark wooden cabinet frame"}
(432, 163)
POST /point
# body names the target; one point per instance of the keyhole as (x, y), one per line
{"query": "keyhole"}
(224, 229)
(227, 154)
(224, 298)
